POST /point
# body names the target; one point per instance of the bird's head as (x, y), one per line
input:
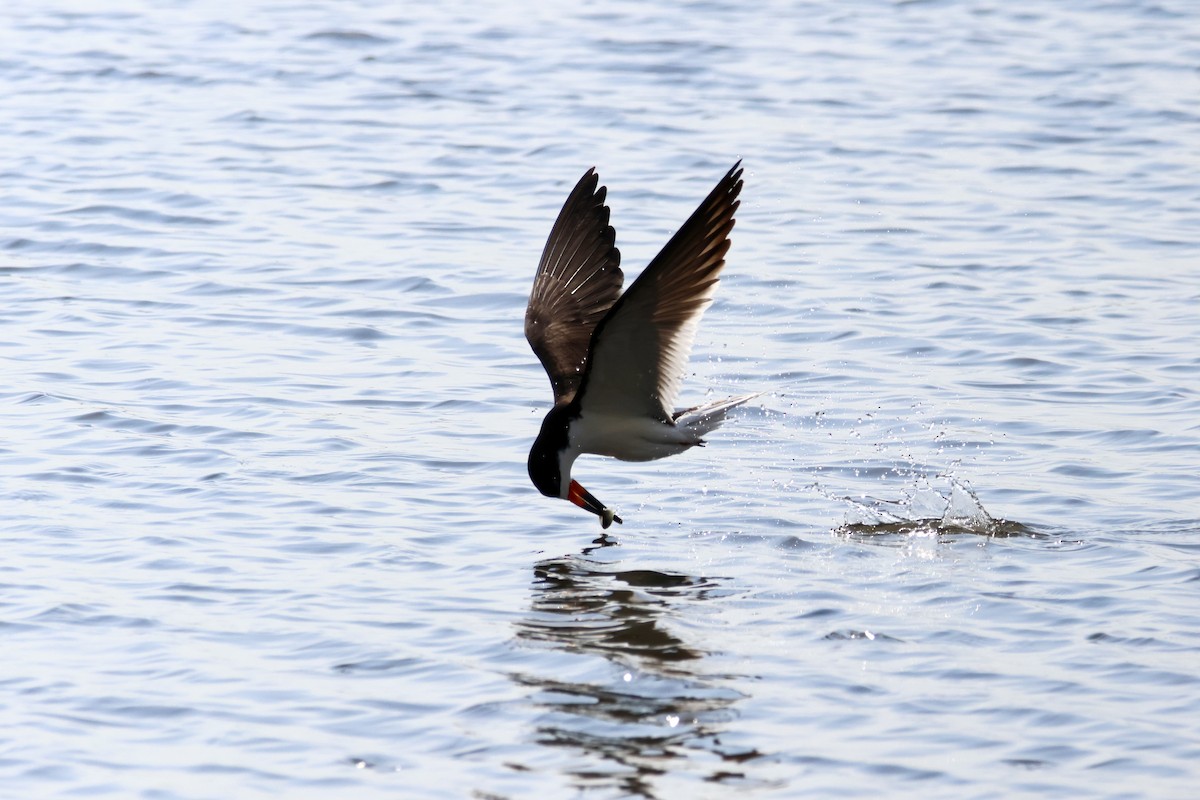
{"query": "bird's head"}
(550, 461)
(545, 457)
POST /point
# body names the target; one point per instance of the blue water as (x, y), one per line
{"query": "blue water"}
(266, 403)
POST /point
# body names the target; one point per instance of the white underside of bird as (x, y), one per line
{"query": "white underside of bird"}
(641, 438)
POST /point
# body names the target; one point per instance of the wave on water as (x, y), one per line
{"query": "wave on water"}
(926, 510)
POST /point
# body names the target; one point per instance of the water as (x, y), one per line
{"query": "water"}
(266, 403)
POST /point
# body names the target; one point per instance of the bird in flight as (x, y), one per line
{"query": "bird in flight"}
(616, 361)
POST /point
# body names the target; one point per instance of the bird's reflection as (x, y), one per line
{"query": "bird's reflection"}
(662, 715)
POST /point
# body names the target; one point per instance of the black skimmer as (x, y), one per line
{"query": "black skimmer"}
(616, 361)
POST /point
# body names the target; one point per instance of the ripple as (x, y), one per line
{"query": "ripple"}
(348, 37)
(137, 215)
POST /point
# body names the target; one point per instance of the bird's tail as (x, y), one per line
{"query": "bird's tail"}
(705, 418)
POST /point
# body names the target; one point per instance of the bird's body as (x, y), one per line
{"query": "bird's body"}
(615, 361)
(628, 438)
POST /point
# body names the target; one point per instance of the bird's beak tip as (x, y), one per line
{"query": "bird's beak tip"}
(588, 502)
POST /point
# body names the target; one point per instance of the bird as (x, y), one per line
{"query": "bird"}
(616, 361)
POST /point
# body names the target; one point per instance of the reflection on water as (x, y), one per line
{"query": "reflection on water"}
(661, 715)
(581, 607)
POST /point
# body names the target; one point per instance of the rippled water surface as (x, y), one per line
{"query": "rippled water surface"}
(266, 403)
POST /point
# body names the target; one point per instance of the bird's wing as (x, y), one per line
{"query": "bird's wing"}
(640, 349)
(577, 282)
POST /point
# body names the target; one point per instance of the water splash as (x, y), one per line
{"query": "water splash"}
(925, 509)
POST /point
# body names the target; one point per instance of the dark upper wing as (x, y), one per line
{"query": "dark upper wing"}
(641, 348)
(577, 282)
